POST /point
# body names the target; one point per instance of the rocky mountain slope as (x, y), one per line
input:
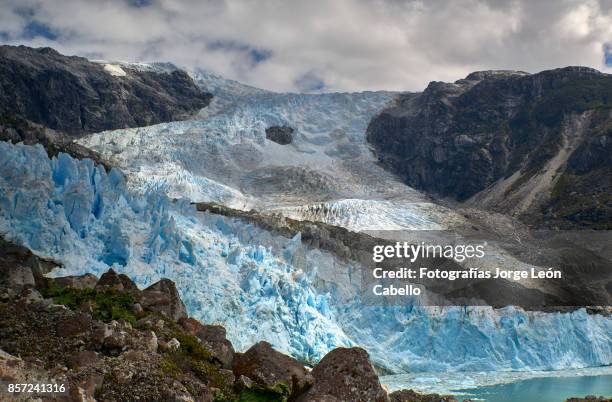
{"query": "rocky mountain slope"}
(532, 145)
(14, 129)
(105, 339)
(77, 96)
(262, 276)
(262, 285)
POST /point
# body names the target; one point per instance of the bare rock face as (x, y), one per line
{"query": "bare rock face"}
(127, 283)
(269, 368)
(163, 297)
(408, 395)
(19, 278)
(86, 281)
(83, 359)
(30, 296)
(282, 135)
(213, 337)
(532, 145)
(74, 325)
(15, 129)
(20, 269)
(76, 96)
(110, 280)
(150, 341)
(345, 374)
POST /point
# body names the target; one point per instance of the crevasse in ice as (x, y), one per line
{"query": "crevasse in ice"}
(263, 287)
(78, 214)
(223, 156)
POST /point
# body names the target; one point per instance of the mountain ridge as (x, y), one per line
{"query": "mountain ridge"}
(493, 141)
(263, 284)
(77, 96)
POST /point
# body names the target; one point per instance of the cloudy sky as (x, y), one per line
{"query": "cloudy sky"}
(323, 45)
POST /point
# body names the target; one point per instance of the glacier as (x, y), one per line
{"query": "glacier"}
(77, 214)
(222, 156)
(265, 287)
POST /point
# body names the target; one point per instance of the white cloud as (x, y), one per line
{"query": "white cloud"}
(346, 44)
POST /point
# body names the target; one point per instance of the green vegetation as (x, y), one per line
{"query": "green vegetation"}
(191, 346)
(194, 358)
(107, 304)
(278, 393)
(257, 393)
(168, 367)
(191, 356)
(583, 199)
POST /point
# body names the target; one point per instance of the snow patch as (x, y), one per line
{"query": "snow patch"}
(114, 70)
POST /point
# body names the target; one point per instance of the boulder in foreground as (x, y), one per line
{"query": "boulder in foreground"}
(272, 369)
(345, 374)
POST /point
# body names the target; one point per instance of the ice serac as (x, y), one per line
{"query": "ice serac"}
(264, 287)
(78, 214)
(227, 155)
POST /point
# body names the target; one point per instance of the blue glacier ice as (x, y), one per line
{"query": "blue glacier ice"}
(265, 287)
(76, 213)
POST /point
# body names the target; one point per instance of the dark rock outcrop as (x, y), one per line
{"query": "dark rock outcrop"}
(282, 135)
(335, 239)
(213, 337)
(508, 141)
(106, 352)
(76, 96)
(16, 129)
(110, 280)
(408, 395)
(86, 281)
(163, 297)
(20, 269)
(272, 369)
(345, 374)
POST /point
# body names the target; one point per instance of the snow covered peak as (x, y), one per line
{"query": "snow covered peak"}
(157, 67)
(207, 80)
(221, 86)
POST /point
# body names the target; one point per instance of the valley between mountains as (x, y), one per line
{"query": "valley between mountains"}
(261, 206)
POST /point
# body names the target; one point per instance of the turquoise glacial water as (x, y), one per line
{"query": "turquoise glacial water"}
(548, 389)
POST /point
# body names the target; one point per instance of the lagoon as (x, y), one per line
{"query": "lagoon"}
(540, 386)
(551, 389)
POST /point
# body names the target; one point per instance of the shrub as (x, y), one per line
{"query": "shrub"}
(107, 304)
